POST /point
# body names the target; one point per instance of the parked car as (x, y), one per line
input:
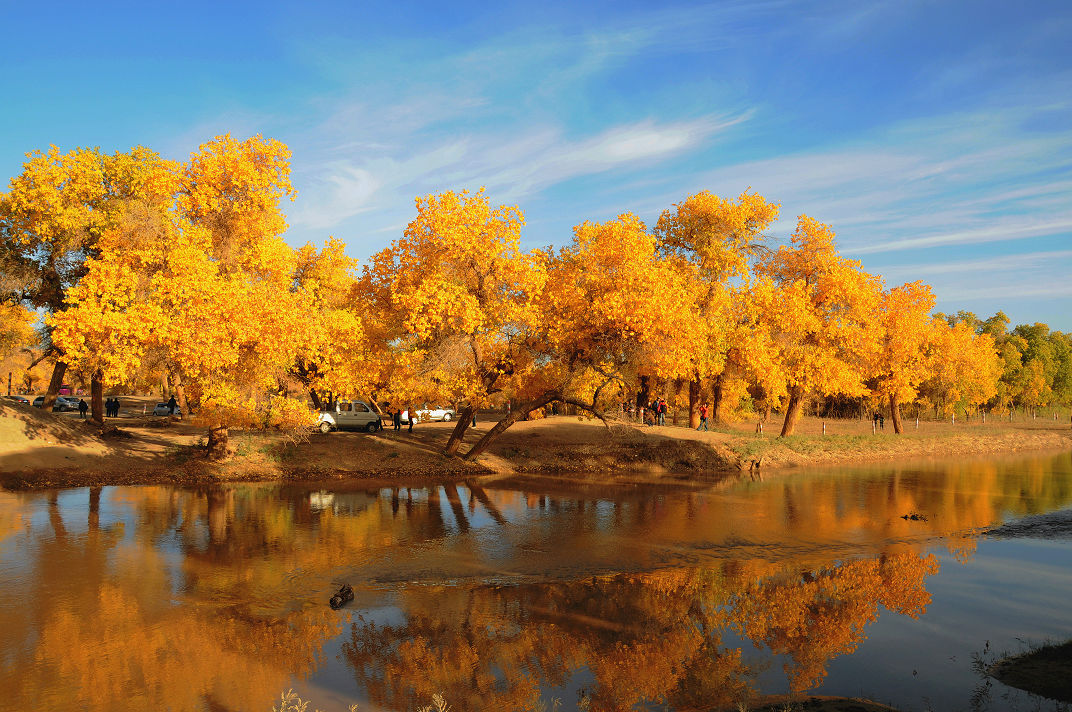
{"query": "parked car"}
(162, 409)
(63, 404)
(431, 412)
(349, 415)
(19, 399)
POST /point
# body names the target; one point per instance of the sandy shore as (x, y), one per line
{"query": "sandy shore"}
(45, 450)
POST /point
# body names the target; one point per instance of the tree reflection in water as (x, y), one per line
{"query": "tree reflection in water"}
(153, 597)
(645, 637)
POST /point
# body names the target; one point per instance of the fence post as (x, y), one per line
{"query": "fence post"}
(954, 421)
(917, 422)
(824, 427)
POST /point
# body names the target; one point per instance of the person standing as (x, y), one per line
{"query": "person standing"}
(172, 404)
(115, 407)
(411, 418)
(83, 408)
(703, 418)
(396, 418)
(662, 411)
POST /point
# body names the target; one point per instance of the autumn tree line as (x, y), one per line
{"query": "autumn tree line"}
(124, 268)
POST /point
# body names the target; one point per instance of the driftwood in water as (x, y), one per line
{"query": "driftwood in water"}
(345, 595)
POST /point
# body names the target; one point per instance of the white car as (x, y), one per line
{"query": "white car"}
(431, 412)
(162, 409)
(355, 415)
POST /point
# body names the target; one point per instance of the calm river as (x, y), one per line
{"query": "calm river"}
(514, 595)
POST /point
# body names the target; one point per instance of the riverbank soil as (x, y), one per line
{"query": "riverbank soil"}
(41, 449)
(1046, 671)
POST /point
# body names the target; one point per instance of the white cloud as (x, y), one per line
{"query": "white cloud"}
(1010, 228)
(1004, 264)
(512, 166)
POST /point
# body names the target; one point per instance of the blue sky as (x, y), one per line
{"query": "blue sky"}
(936, 137)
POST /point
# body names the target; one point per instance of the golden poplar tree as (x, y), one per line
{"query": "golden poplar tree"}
(208, 286)
(818, 308)
(713, 239)
(605, 306)
(459, 294)
(333, 354)
(57, 210)
(905, 333)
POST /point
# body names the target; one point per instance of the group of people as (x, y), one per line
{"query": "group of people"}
(655, 414)
(111, 408)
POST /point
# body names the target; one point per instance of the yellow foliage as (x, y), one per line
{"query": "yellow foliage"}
(818, 308)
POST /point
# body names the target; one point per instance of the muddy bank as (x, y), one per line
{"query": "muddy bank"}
(1054, 525)
(45, 450)
(1046, 671)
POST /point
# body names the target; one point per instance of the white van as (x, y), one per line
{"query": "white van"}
(349, 415)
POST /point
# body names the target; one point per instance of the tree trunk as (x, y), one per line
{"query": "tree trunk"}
(218, 446)
(512, 417)
(96, 397)
(58, 372)
(718, 401)
(694, 403)
(371, 400)
(316, 399)
(465, 419)
(180, 393)
(643, 396)
(895, 414)
(792, 410)
(482, 497)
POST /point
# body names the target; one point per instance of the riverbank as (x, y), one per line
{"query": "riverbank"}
(45, 450)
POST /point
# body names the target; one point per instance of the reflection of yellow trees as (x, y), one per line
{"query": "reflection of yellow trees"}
(821, 615)
(641, 637)
(650, 637)
(115, 652)
(109, 623)
(12, 519)
(853, 509)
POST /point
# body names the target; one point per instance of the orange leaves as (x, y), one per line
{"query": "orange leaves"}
(824, 615)
(905, 332)
(232, 188)
(963, 368)
(716, 234)
(145, 263)
(819, 309)
(458, 295)
(16, 327)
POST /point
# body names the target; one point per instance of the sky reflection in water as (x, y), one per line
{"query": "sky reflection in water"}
(152, 597)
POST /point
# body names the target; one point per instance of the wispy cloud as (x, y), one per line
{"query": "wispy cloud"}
(512, 166)
(1008, 264)
(1007, 228)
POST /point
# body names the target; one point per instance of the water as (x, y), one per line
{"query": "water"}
(515, 594)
